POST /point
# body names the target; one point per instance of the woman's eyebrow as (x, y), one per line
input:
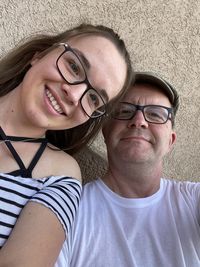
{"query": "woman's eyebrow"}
(84, 60)
(87, 65)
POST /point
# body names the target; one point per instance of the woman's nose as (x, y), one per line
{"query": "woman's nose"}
(73, 93)
(138, 120)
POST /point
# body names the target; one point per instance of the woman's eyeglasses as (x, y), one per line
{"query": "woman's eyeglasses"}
(73, 72)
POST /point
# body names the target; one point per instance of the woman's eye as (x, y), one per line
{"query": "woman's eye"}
(95, 100)
(74, 67)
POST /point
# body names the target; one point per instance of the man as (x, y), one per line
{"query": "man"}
(132, 216)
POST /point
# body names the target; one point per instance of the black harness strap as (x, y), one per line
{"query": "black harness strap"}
(23, 171)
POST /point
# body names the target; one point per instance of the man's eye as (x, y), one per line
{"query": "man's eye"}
(123, 111)
(156, 116)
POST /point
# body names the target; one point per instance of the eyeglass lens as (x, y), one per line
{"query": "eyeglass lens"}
(73, 72)
(71, 67)
(152, 113)
(93, 103)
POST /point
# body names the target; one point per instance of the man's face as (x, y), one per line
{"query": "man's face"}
(136, 140)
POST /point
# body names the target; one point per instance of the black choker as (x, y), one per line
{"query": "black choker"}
(7, 138)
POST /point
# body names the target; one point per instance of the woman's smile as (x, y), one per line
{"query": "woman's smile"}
(53, 102)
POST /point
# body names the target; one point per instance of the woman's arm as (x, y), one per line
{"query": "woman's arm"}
(41, 229)
(35, 240)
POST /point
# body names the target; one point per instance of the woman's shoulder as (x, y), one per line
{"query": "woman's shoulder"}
(61, 163)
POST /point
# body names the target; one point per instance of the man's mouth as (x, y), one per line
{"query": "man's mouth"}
(139, 138)
(53, 102)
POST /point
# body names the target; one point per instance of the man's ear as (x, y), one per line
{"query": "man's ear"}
(172, 140)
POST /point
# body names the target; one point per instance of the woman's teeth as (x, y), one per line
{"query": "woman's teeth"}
(54, 103)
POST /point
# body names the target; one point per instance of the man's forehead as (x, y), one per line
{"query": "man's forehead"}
(144, 89)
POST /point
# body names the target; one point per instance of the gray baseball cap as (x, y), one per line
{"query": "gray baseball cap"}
(162, 84)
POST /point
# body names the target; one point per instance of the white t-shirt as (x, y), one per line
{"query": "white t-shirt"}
(157, 231)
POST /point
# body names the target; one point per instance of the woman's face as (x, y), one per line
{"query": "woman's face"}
(49, 102)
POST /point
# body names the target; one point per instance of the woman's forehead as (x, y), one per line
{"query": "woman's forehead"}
(107, 66)
(91, 42)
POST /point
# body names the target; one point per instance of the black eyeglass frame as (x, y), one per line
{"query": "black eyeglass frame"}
(141, 108)
(86, 81)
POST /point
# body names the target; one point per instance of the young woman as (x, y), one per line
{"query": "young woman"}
(48, 86)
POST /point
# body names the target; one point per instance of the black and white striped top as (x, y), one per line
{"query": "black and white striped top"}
(61, 194)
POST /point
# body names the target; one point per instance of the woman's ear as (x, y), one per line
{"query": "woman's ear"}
(35, 58)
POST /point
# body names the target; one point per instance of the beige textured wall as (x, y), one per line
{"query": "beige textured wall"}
(161, 35)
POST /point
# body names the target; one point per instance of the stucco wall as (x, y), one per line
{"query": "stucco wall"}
(162, 36)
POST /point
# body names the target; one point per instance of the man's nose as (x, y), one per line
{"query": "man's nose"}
(138, 120)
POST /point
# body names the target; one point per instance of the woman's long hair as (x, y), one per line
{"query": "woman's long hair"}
(14, 66)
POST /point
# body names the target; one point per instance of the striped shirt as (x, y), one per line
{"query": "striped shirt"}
(61, 194)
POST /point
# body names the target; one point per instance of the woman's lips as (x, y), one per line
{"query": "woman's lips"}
(53, 102)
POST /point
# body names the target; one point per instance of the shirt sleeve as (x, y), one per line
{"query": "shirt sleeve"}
(62, 196)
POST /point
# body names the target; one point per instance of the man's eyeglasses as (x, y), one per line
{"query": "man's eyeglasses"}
(152, 113)
(73, 72)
